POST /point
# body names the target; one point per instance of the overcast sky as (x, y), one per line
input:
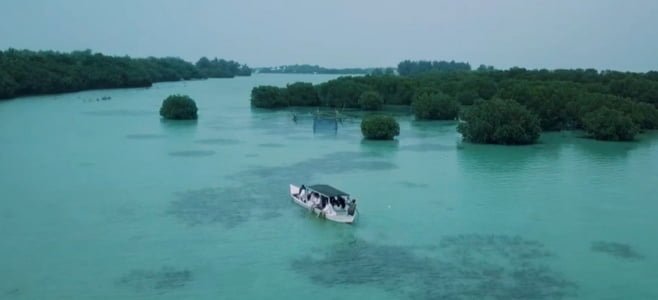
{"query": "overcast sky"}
(602, 34)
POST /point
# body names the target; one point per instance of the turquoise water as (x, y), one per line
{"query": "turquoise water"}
(103, 200)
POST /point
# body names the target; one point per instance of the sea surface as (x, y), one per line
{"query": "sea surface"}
(101, 199)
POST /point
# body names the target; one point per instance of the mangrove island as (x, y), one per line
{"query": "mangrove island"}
(25, 72)
(606, 105)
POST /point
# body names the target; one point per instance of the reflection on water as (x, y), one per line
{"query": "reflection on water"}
(434, 147)
(179, 124)
(606, 151)
(382, 149)
(497, 159)
(432, 128)
(119, 113)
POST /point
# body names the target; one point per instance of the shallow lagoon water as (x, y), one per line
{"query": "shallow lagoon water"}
(102, 199)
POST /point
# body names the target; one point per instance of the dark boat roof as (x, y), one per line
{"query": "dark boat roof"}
(328, 190)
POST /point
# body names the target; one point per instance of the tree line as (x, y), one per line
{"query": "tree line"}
(221, 68)
(25, 72)
(608, 105)
(409, 67)
(313, 69)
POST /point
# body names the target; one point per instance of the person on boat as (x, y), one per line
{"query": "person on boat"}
(341, 202)
(328, 211)
(352, 208)
(315, 199)
(301, 191)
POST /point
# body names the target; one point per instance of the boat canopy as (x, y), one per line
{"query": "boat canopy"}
(327, 190)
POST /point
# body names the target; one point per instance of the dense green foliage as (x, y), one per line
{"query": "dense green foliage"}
(467, 97)
(432, 105)
(408, 67)
(560, 99)
(178, 107)
(610, 124)
(301, 94)
(24, 72)
(499, 122)
(221, 68)
(296, 94)
(379, 127)
(370, 100)
(343, 92)
(266, 96)
(383, 71)
(312, 69)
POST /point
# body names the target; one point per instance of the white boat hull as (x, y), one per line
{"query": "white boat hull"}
(336, 217)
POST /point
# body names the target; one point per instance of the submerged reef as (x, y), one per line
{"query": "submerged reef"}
(226, 205)
(192, 153)
(469, 266)
(618, 250)
(164, 279)
(218, 141)
(145, 136)
(411, 184)
(15, 292)
(219, 205)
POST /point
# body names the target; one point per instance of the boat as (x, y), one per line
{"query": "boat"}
(326, 202)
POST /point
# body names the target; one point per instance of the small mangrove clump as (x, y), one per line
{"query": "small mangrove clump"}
(179, 107)
(268, 97)
(610, 124)
(379, 127)
(499, 121)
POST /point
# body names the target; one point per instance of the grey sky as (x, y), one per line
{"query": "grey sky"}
(603, 34)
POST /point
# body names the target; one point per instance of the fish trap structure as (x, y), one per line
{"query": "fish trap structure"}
(327, 121)
(324, 121)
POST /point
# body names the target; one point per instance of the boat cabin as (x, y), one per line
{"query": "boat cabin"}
(328, 195)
